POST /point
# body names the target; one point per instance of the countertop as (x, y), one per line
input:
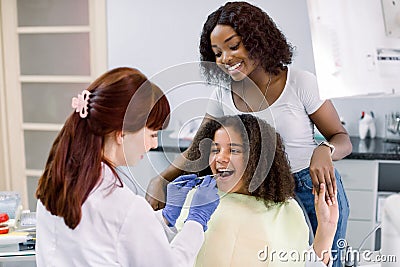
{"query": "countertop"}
(168, 144)
(376, 148)
(368, 149)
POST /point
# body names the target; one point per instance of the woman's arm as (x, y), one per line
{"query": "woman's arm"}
(322, 170)
(156, 189)
(328, 123)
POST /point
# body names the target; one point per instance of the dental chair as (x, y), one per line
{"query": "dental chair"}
(391, 230)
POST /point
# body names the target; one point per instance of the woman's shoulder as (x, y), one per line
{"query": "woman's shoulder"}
(301, 78)
(115, 195)
(303, 84)
(121, 204)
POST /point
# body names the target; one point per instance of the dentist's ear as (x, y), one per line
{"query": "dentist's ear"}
(119, 136)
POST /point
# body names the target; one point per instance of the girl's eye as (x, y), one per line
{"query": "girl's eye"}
(215, 150)
(235, 151)
(154, 135)
(218, 54)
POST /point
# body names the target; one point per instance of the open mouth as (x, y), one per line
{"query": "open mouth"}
(225, 172)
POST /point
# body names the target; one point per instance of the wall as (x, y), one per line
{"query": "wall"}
(154, 35)
(348, 39)
(157, 36)
(350, 110)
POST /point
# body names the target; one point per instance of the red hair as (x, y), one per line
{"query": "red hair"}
(120, 99)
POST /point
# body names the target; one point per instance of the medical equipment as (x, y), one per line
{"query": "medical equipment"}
(198, 178)
(222, 174)
(10, 203)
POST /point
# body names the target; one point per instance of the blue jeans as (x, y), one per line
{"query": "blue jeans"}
(304, 192)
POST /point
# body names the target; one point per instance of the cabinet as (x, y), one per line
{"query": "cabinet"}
(49, 52)
(360, 180)
(367, 183)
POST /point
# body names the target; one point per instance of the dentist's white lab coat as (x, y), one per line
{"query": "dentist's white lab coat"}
(116, 229)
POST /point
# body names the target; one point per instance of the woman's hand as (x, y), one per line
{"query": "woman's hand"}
(156, 191)
(323, 171)
(327, 216)
(328, 123)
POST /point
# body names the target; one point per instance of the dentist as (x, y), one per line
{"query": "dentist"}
(86, 215)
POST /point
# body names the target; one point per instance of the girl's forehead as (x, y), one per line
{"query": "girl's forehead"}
(228, 133)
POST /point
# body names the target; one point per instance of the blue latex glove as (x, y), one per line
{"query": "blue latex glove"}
(204, 202)
(176, 196)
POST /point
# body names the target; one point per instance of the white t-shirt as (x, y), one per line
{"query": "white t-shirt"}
(116, 229)
(288, 114)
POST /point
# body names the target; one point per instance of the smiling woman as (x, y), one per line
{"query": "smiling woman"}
(230, 52)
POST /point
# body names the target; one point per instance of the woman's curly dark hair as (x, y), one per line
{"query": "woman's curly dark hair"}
(260, 36)
(267, 175)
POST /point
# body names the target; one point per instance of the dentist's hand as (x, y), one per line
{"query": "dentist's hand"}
(204, 202)
(176, 196)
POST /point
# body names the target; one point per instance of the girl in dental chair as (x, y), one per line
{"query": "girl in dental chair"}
(257, 217)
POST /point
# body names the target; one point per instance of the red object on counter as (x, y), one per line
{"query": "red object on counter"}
(3, 217)
(3, 226)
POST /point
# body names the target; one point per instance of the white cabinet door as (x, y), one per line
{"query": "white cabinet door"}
(360, 180)
(362, 203)
(358, 174)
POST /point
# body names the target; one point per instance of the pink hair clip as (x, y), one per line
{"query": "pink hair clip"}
(80, 103)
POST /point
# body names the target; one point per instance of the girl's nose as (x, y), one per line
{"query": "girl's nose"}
(223, 156)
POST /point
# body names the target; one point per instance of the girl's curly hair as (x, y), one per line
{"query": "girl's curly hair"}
(260, 36)
(267, 165)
